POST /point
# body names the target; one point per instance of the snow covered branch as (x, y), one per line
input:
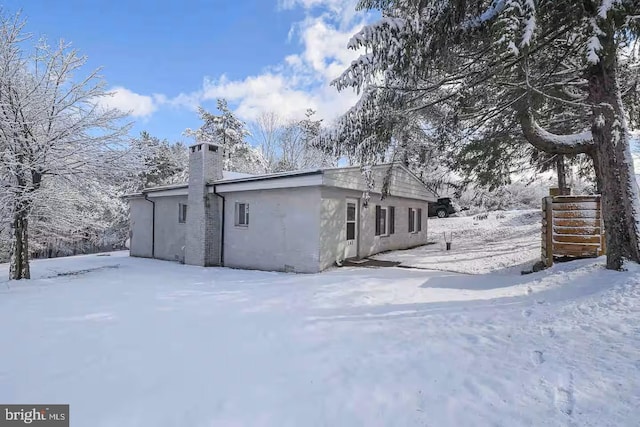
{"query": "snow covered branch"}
(550, 142)
(57, 141)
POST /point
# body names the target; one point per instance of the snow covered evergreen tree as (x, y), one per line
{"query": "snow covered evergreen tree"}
(313, 155)
(161, 163)
(226, 130)
(473, 63)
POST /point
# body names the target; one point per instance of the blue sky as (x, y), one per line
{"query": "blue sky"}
(164, 58)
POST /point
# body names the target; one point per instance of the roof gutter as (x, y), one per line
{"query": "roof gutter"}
(153, 225)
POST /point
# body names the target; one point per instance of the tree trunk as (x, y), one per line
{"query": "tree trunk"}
(613, 162)
(562, 177)
(608, 145)
(19, 262)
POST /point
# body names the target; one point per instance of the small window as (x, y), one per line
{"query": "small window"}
(385, 218)
(182, 213)
(351, 221)
(415, 220)
(242, 214)
(412, 220)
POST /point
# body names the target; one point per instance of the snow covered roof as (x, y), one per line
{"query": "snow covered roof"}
(248, 177)
(301, 172)
(236, 181)
(226, 175)
(235, 175)
(406, 184)
(164, 187)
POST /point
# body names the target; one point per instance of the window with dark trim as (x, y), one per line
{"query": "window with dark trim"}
(385, 220)
(412, 220)
(381, 221)
(242, 214)
(182, 213)
(419, 219)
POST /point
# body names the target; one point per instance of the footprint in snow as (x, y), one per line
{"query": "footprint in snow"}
(537, 358)
(547, 331)
(564, 399)
(526, 312)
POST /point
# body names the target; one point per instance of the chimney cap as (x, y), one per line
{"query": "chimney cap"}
(195, 144)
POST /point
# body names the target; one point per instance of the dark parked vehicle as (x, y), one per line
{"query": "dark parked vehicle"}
(442, 208)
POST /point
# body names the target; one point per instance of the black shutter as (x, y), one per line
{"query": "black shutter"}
(377, 220)
(419, 219)
(392, 219)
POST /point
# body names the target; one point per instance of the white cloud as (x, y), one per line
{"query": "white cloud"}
(325, 47)
(343, 11)
(298, 82)
(133, 103)
(266, 92)
(301, 80)
(189, 101)
(276, 93)
(333, 5)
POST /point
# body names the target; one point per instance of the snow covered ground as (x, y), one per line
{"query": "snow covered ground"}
(137, 342)
(504, 239)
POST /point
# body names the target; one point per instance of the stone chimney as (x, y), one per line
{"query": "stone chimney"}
(203, 238)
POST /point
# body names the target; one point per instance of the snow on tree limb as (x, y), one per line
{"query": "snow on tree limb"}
(606, 6)
(553, 143)
(53, 132)
(436, 59)
(495, 8)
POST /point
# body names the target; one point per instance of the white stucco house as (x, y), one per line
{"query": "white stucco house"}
(299, 221)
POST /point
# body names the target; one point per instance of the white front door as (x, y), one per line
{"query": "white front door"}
(351, 248)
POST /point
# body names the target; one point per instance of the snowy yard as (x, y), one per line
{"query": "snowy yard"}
(503, 240)
(137, 342)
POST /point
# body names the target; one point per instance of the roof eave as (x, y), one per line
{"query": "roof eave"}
(267, 177)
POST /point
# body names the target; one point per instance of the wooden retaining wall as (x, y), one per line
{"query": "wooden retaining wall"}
(571, 227)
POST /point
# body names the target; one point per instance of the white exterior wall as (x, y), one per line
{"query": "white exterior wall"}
(140, 214)
(170, 234)
(283, 232)
(401, 182)
(296, 223)
(333, 224)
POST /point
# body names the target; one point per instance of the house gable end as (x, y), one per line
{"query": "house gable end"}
(402, 183)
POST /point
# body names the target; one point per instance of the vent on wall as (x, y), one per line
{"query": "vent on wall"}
(289, 268)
